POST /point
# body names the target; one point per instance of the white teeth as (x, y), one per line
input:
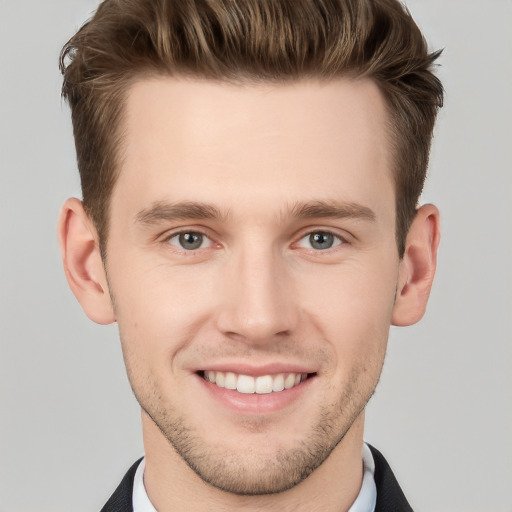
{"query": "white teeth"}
(230, 381)
(264, 384)
(247, 384)
(278, 383)
(220, 379)
(289, 382)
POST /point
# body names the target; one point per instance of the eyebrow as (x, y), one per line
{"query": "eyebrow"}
(163, 211)
(331, 209)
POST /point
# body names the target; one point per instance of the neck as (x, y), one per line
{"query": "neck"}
(172, 485)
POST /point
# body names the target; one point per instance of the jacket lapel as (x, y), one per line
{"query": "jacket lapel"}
(390, 497)
(121, 500)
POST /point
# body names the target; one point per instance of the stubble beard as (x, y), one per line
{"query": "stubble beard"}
(252, 474)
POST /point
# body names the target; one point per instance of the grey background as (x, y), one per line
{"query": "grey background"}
(69, 426)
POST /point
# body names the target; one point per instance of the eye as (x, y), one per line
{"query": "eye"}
(320, 241)
(190, 240)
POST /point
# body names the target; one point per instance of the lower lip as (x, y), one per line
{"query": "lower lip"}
(254, 403)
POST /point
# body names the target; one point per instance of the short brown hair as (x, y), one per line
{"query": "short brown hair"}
(255, 41)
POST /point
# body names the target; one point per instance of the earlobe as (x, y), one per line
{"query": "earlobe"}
(82, 262)
(418, 266)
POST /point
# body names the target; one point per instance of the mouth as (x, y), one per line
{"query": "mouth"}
(261, 385)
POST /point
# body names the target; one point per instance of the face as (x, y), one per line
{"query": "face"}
(253, 266)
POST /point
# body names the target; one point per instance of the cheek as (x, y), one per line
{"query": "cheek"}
(159, 310)
(352, 309)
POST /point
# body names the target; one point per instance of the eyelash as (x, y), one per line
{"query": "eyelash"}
(337, 241)
(188, 232)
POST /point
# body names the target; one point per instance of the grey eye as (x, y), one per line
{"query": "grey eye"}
(321, 240)
(189, 240)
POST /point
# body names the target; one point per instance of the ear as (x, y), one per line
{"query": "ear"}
(82, 261)
(417, 267)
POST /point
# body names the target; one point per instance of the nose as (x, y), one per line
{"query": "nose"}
(259, 305)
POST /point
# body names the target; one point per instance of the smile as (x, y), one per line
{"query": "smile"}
(248, 384)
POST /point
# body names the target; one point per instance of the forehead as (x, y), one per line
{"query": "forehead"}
(248, 144)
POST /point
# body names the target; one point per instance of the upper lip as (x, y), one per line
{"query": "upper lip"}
(257, 370)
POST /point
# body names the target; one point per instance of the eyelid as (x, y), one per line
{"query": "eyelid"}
(342, 234)
(344, 237)
(166, 237)
(205, 239)
(339, 240)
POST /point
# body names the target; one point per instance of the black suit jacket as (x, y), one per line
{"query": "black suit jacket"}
(390, 497)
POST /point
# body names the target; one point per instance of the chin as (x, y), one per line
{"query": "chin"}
(265, 464)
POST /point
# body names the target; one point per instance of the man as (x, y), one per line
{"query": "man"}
(250, 174)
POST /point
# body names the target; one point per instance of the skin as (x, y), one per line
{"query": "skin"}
(253, 171)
